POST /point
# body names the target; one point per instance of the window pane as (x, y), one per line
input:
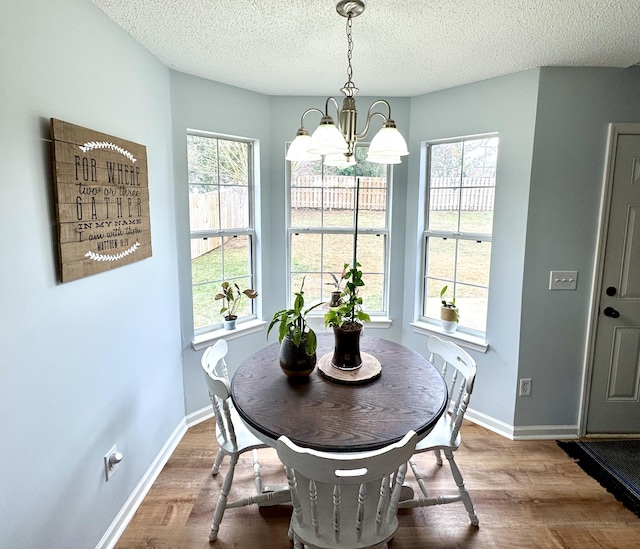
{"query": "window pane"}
(480, 159)
(306, 253)
(202, 159)
(443, 209)
(441, 258)
(472, 306)
(371, 253)
(337, 250)
(234, 162)
(234, 207)
(338, 203)
(213, 261)
(372, 293)
(372, 202)
(476, 214)
(446, 164)
(203, 207)
(206, 259)
(312, 287)
(432, 298)
(306, 204)
(473, 262)
(205, 309)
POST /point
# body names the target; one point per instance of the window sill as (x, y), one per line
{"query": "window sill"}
(244, 328)
(316, 322)
(464, 340)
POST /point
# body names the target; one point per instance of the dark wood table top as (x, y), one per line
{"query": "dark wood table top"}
(325, 415)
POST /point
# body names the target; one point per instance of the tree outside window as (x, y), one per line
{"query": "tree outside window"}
(461, 180)
(220, 176)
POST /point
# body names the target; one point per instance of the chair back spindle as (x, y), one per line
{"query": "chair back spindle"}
(345, 500)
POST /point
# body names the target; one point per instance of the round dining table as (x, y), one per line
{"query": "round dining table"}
(320, 413)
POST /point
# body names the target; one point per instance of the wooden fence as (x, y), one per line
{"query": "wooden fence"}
(204, 214)
(337, 193)
(332, 193)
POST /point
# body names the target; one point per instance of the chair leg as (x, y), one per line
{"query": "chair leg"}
(256, 472)
(222, 500)
(438, 456)
(464, 494)
(217, 463)
(418, 475)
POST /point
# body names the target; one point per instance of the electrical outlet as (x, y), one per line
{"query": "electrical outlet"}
(525, 387)
(111, 461)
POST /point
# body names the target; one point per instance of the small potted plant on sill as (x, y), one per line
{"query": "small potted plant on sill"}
(346, 318)
(449, 316)
(231, 295)
(298, 342)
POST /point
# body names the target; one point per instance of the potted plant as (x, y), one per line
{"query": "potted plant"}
(346, 318)
(298, 341)
(449, 316)
(231, 295)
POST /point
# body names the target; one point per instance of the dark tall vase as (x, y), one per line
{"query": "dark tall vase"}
(294, 361)
(346, 354)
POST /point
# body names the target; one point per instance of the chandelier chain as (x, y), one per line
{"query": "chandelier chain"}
(349, 52)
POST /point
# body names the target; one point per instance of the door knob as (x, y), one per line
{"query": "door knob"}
(611, 312)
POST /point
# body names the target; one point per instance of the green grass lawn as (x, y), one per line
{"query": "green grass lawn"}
(315, 256)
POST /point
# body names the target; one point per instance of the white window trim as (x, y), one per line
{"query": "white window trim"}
(201, 341)
(205, 335)
(469, 341)
(426, 325)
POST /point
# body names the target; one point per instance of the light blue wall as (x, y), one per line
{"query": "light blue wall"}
(96, 361)
(506, 105)
(575, 106)
(210, 106)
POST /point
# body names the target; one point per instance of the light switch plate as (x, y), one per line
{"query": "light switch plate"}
(563, 280)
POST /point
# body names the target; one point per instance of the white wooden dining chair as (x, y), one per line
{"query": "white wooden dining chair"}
(459, 371)
(233, 438)
(344, 501)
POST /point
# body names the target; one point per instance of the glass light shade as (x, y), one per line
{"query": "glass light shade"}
(327, 139)
(388, 142)
(339, 160)
(298, 150)
(379, 159)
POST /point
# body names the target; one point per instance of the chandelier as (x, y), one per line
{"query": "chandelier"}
(336, 143)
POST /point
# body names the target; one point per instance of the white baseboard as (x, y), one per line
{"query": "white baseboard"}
(527, 432)
(125, 514)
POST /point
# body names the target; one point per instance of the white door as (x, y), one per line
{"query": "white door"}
(614, 400)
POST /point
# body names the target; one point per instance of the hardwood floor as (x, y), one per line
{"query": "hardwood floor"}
(527, 494)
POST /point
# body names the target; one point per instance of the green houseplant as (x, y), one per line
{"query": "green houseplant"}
(346, 317)
(231, 296)
(298, 342)
(449, 316)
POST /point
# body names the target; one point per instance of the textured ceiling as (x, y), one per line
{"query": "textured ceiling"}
(400, 48)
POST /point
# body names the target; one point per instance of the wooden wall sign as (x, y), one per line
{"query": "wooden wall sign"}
(102, 200)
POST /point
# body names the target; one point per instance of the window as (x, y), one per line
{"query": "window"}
(322, 222)
(461, 180)
(221, 221)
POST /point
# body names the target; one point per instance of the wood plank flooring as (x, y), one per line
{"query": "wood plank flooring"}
(527, 494)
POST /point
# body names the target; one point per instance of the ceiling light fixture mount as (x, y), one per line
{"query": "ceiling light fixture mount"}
(336, 143)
